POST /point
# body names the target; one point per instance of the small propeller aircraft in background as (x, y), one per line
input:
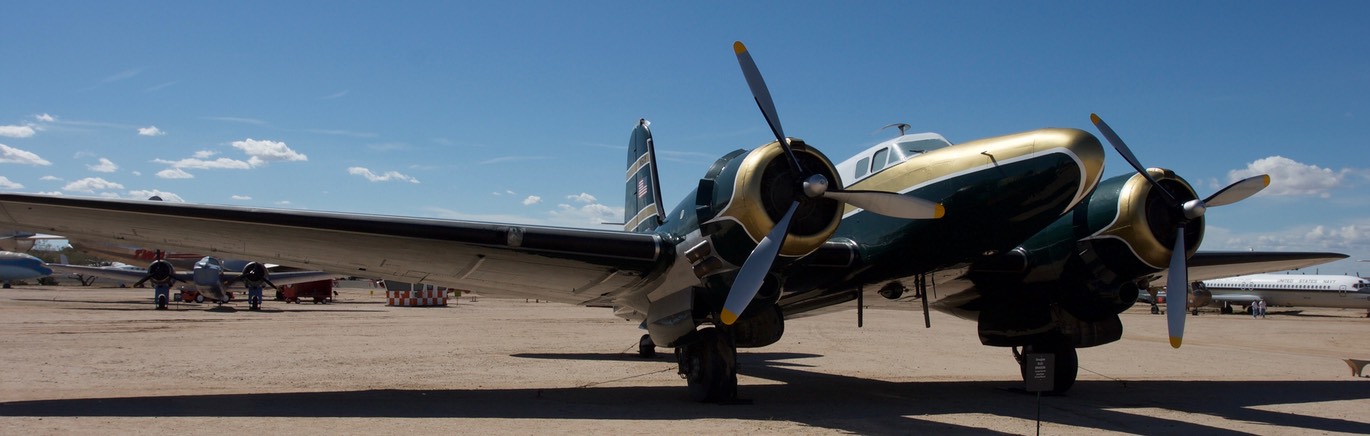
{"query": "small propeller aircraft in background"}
(1018, 233)
(208, 277)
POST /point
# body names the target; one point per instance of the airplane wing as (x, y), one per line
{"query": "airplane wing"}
(109, 273)
(1219, 264)
(291, 277)
(509, 259)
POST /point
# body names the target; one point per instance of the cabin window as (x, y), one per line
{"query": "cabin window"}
(863, 167)
(878, 161)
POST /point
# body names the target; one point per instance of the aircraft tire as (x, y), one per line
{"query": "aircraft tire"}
(199, 298)
(645, 347)
(711, 375)
(161, 302)
(1067, 362)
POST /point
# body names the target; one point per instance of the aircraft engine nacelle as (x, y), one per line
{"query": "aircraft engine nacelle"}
(160, 272)
(745, 193)
(254, 273)
(1096, 259)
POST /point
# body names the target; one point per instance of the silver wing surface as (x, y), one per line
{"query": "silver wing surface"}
(577, 266)
(110, 273)
(1220, 264)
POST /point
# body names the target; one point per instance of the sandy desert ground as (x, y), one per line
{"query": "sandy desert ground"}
(79, 360)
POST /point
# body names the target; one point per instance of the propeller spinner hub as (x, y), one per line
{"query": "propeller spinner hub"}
(815, 186)
(1194, 208)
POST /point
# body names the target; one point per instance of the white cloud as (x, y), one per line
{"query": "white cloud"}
(17, 131)
(13, 155)
(1289, 177)
(91, 184)
(144, 194)
(204, 154)
(241, 197)
(105, 166)
(150, 131)
(45, 118)
(50, 178)
(531, 200)
(582, 198)
(222, 163)
(137, 173)
(387, 176)
(262, 152)
(174, 173)
(592, 215)
(5, 183)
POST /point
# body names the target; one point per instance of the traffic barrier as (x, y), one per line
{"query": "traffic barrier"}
(419, 298)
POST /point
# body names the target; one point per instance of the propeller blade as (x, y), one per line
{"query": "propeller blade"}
(889, 204)
(1176, 288)
(762, 95)
(1127, 154)
(1238, 191)
(755, 268)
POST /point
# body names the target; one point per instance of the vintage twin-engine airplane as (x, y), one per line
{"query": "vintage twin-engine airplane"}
(208, 277)
(1017, 232)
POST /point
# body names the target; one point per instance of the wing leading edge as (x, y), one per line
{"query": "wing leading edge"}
(578, 266)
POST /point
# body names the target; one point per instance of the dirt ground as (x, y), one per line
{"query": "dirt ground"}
(79, 360)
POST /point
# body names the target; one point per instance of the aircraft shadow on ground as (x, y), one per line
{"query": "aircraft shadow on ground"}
(811, 398)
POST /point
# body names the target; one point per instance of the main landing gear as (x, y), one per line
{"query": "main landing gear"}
(709, 366)
(1067, 362)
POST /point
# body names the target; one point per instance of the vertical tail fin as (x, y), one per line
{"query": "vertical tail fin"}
(642, 202)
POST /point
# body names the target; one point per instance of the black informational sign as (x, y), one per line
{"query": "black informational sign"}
(1041, 372)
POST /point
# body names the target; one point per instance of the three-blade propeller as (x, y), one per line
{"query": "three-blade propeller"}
(253, 274)
(160, 272)
(814, 185)
(1177, 280)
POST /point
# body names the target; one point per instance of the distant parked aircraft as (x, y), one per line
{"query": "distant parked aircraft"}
(20, 266)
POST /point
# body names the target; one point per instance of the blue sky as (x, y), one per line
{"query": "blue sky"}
(520, 111)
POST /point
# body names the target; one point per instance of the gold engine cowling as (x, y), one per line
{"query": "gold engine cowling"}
(1140, 231)
(742, 201)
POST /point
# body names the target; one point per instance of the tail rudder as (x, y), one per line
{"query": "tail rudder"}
(642, 202)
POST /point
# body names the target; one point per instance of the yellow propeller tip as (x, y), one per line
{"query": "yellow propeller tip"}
(738, 48)
(1094, 118)
(1267, 180)
(1174, 342)
(728, 317)
(939, 211)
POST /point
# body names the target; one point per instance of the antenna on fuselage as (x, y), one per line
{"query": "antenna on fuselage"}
(903, 127)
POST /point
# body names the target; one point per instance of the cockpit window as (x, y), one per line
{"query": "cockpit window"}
(878, 162)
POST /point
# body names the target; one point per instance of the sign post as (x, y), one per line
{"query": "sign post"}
(1040, 376)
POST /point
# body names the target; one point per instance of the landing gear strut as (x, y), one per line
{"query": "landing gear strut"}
(1067, 362)
(162, 295)
(709, 366)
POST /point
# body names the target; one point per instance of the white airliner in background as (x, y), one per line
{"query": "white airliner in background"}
(1348, 292)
